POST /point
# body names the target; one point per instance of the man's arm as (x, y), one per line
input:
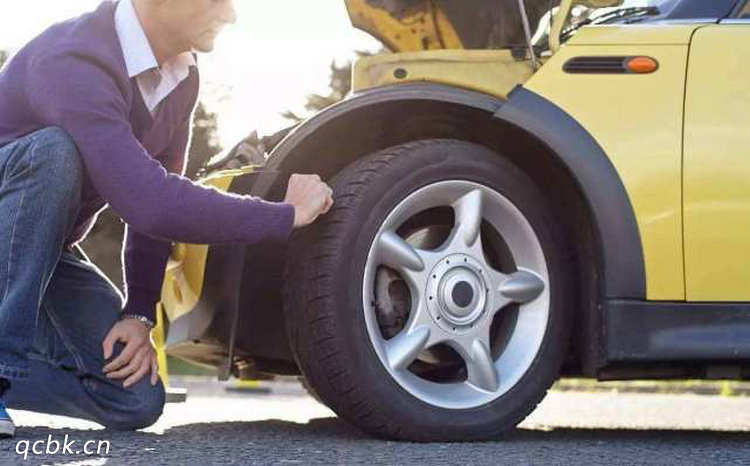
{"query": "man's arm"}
(86, 102)
(145, 258)
(144, 261)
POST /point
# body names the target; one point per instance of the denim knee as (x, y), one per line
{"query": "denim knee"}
(143, 410)
(59, 163)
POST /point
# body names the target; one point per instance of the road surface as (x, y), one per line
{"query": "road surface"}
(286, 427)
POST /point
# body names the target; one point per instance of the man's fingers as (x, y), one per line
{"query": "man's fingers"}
(133, 365)
(328, 205)
(310, 196)
(125, 356)
(145, 365)
(109, 342)
(327, 192)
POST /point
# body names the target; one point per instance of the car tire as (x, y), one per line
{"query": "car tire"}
(474, 388)
(308, 389)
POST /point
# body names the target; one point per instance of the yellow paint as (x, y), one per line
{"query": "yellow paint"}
(423, 27)
(717, 165)
(158, 337)
(637, 119)
(246, 384)
(633, 34)
(493, 72)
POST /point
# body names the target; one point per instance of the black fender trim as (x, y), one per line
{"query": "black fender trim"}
(614, 219)
(624, 270)
(372, 98)
(643, 331)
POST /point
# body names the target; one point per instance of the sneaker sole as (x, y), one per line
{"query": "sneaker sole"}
(7, 428)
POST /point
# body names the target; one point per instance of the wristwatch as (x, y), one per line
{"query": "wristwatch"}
(148, 322)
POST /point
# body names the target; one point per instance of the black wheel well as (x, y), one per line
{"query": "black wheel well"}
(340, 141)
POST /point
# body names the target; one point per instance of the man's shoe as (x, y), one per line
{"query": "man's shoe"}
(7, 428)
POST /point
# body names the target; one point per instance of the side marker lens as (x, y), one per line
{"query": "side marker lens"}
(641, 65)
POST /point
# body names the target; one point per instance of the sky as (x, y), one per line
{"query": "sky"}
(278, 52)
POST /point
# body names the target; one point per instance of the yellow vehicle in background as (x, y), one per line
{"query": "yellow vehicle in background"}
(520, 194)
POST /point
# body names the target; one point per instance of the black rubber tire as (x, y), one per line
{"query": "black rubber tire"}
(308, 388)
(323, 305)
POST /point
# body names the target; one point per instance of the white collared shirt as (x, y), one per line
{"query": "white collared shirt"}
(154, 82)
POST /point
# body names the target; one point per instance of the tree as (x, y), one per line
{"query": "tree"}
(340, 85)
(253, 149)
(3, 57)
(205, 140)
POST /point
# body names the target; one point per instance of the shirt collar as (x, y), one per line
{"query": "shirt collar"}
(139, 56)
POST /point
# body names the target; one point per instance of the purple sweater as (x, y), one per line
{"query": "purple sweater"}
(73, 76)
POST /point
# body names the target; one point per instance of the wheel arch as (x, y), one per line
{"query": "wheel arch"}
(543, 140)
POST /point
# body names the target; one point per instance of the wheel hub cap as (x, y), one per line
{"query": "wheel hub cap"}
(457, 293)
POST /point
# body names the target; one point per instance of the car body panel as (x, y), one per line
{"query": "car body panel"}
(494, 72)
(717, 165)
(635, 34)
(644, 142)
(418, 26)
(620, 249)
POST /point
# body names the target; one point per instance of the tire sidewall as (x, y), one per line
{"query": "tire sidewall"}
(426, 163)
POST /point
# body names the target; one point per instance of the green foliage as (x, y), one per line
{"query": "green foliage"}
(3, 57)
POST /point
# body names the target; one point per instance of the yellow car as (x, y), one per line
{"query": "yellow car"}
(573, 203)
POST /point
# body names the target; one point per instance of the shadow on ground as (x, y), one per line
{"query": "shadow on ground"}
(331, 441)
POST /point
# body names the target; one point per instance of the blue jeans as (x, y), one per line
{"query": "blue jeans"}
(56, 307)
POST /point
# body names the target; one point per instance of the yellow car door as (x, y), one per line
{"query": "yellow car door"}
(716, 164)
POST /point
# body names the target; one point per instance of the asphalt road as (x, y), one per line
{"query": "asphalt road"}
(216, 426)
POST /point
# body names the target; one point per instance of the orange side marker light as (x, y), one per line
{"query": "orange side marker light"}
(642, 65)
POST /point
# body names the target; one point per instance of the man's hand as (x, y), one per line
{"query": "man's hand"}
(136, 358)
(310, 197)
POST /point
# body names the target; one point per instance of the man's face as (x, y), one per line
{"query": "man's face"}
(194, 24)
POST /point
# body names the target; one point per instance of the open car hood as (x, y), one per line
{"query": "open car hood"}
(413, 25)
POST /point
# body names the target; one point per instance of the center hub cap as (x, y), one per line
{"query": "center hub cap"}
(457, 293)
(463, 294)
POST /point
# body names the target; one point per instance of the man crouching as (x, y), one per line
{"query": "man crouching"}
(95, 111)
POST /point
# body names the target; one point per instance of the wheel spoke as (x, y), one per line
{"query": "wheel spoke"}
(396, 253)
(480, 366)
(522, 287)
(519, 287)
(402, 349)
(468, 214)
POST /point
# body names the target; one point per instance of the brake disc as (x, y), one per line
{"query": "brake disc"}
(392, 301)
